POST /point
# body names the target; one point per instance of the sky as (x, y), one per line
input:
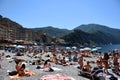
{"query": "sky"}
(66, 14)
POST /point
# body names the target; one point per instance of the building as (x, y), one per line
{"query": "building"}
(11, 31)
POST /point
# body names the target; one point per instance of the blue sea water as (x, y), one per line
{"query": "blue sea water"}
(106, 48)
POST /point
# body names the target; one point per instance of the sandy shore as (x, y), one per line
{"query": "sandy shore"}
(8, 64)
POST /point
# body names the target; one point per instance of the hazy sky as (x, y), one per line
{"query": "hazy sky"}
(62, 13)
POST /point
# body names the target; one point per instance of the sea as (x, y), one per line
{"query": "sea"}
(106, 48)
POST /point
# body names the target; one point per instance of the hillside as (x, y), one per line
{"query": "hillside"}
(52, 31)
(83, 38)
(92, 28)
(83, 34)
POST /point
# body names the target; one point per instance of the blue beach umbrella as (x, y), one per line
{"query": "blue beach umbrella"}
(94, 49)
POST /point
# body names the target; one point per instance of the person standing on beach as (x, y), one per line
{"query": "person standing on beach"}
(0, 60)
(116, 63)
(105, 61)
(80, 61)
(69, 56)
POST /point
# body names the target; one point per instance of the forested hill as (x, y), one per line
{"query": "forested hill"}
(83, 38)
(52, 31)
(93, 28)
(83, 34)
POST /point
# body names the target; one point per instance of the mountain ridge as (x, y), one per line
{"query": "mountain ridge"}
(53, 31)
(95, 33)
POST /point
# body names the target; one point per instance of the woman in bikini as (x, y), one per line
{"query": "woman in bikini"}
(22, 71)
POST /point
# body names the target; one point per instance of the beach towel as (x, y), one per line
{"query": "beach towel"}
(17, 76)
(77, 66)
(54, 68)
(56, 77)
(111, 72)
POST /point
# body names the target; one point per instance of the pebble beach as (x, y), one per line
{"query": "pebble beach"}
(9, 65)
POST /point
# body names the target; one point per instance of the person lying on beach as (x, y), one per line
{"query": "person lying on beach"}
(64, 62)
(46, 66)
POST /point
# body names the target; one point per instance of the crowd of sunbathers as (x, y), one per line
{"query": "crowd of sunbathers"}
(67, 57)
(104, 65)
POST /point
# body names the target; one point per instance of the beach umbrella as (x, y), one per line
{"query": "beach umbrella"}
(87, 49)
(67, 47)
(13, 45)
(19, 46)
(94, 49)
(81, 49)
(74, 47)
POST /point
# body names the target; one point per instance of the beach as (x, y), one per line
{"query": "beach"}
(9, 64)
(60, 72)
